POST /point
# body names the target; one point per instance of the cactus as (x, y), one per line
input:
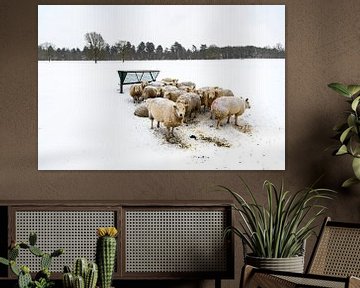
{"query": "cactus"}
(32, 238)
(68, 280)
(91, 276)
(89, 272)
(80, 267)
(79, 282)
(24, 278)
(36, 251)
(45, 261)
(105, 254)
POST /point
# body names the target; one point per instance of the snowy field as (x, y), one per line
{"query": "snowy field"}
(85, 124)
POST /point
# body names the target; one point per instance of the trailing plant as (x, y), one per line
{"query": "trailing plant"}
(279, 229)
(106, 254)
(348, 133)
(42, 278)
(84, 275)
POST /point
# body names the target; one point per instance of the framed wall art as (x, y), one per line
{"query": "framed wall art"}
(211, 76)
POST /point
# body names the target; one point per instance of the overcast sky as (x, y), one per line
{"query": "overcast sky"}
(221, 25)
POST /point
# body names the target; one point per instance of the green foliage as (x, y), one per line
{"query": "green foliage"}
(42, 278)
(348, 133)
(279, 229)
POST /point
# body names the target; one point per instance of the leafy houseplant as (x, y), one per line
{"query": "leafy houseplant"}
(348, 132)
(42, 278)
(279, 229)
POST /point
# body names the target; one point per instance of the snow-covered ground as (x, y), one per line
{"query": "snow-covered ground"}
(85, 124)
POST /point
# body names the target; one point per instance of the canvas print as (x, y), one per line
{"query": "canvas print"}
(161, 87)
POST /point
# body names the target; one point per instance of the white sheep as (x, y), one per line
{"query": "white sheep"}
(173, 95)
(170, 81)
(207, 95)
(220, 92)
(136, 90)
(192, 103)
(142, 110)
(189, 84)
(223, 107)
(166, 111)
(150, 92)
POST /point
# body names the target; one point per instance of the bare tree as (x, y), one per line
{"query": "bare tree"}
(95, 43)
(121, 48)
(49, 48)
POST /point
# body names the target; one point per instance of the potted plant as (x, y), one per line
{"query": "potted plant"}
(348, 132)
(276, 233)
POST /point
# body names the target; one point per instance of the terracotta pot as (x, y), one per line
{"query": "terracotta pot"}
(291, 264)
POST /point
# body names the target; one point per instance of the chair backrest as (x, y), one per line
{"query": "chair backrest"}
(337, 251)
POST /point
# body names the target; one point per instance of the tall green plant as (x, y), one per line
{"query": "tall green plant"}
(348, 132)
(279, 229)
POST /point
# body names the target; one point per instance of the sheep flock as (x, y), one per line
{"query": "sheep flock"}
(172, 103)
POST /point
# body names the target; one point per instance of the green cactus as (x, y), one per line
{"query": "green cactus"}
(80, 267)
(79, 282)
(36, 251)
(87, 272)
(14, 268)
(42, 278)
(4, 261)
(24, 280)
(13, 253)
(45, 261)
(68, 280)
(32, 238)
(91, 276)
(105, 258)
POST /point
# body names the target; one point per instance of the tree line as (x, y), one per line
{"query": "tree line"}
(97, 49)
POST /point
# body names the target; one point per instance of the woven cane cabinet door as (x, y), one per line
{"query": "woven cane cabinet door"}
(170, 242)
(73, 229)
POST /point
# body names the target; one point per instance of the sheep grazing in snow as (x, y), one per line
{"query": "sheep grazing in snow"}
(166, 111)
(157, 84)
(207, 95)
(173, 95)
(142, 110)
(170, 81)
(192, 103)
(223, 107)
(189, 84)
(219, 92)
(136, 90)
(186, 88)
(150, 92)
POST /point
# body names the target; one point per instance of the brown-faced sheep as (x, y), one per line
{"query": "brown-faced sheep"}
(136, 90)
(223, 107)
(169, 113)
(192, 103)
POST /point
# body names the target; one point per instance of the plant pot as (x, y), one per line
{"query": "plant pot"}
(291, 264)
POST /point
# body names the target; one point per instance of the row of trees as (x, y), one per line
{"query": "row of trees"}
(96, 48)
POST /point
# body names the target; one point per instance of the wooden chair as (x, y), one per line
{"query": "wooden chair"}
(335, 262)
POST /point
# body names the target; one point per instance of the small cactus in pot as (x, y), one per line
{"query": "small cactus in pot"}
(106, 254)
